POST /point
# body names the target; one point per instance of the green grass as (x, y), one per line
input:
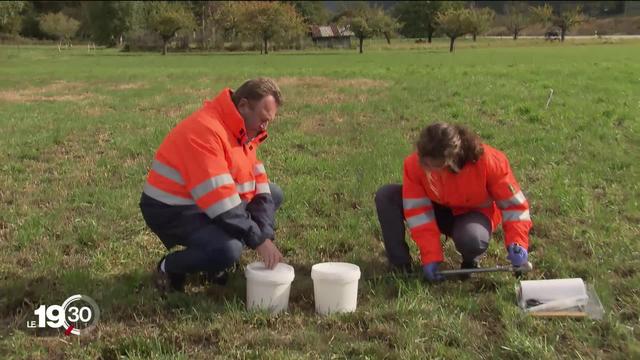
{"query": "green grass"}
(79, 132)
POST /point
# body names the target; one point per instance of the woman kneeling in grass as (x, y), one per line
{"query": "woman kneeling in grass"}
(456, 185)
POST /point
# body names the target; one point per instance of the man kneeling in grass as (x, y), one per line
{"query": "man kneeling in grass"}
(207, 190)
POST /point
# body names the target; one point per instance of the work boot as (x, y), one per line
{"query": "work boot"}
(473, 264)
(167, 281)
(220, 277)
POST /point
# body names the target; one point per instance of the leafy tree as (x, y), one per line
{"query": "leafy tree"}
(345, 9)
(312, 12)
(517, 18)
(107, 20)
(418, 18)
(229, 16)
(480, 20)
(564, 19)
(60, 26)
(388, 25)
(454, 22)
(34, 10)
(366, 22)
(205, 12)
(268, 20)
(166, 18)
(360, 27)
(11, 16)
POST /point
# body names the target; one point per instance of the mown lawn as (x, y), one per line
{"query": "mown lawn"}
(79, 132)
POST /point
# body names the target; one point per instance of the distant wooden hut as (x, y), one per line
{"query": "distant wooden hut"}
(331, 36)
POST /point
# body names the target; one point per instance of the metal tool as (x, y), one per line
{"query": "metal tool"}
(506, 268)
(560, 304)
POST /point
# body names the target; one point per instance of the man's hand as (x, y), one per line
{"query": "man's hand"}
(270, 254)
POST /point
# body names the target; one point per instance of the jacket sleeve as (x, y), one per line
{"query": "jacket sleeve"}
(262, 207)
(209, 181)
(505, 191)
(419, 215)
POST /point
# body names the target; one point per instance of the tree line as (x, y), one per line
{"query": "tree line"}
(455, 19)
(158, 24)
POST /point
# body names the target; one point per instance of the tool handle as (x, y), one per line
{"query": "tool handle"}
(520, 269)
(472, 271)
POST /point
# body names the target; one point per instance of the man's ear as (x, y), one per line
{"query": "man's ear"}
(243, 103)
(246, 104)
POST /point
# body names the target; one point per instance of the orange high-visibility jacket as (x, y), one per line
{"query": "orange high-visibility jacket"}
(487, 186)
(208, 160)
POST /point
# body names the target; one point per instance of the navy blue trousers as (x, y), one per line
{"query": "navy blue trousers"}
(208, 248)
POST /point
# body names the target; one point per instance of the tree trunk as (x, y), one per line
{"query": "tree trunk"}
(266, 46)
(474, 37)
(515, 35)
(386, 35)
(361, 40)
(562, 32)
(164, 46)
(429, 36)
(204, 29)
(213, 36)
(451, 44)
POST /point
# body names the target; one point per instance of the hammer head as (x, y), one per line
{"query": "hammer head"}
(524, 268)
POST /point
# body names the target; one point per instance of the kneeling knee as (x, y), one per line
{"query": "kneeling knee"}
(276, 194)
(228, 254)
(471, 243)
(384, 194)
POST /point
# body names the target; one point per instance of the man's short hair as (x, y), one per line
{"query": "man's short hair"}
(257, 89)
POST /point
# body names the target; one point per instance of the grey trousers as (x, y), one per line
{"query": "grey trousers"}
(470, 232)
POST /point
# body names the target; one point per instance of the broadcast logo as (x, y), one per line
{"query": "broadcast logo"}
(78, 315)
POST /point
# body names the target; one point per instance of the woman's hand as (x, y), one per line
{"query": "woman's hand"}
(517, 255)
(430, 272)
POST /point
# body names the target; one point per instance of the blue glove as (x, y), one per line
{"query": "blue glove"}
(430, 272)
(517, 255)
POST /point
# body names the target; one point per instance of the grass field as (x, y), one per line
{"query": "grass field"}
(79, 132)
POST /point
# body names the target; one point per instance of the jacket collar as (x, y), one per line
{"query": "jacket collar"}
(231, 118)
(262, 136)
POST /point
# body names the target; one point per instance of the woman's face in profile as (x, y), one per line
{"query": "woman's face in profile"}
(431, 164)
(437, 165)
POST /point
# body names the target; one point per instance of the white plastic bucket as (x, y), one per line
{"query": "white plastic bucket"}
(268, 289)
(335, 287)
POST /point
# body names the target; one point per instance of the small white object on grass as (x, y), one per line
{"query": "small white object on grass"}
(549, 99)
(548, 290)
(559, 297)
